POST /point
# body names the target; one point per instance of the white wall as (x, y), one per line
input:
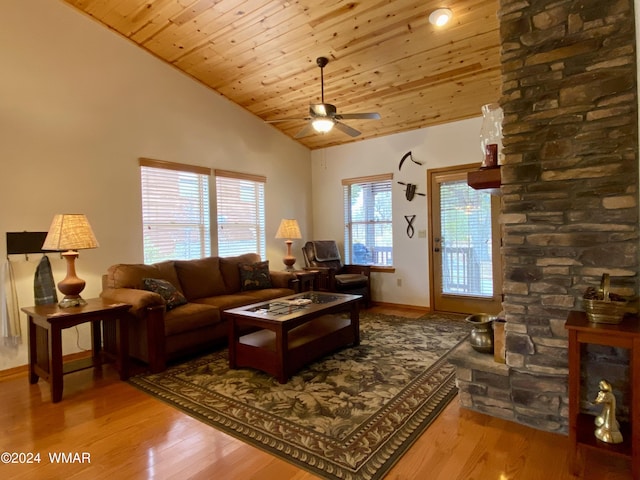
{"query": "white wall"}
(78, 106)
(445, 145)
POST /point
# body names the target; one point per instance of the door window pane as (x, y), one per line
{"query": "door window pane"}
(465, 217)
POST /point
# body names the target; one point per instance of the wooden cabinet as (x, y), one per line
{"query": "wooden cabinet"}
(581, 426)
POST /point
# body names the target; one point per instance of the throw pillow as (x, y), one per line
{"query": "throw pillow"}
(254, 276)
(166, 290)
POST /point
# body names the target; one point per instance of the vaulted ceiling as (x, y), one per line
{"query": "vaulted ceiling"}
(384, 56)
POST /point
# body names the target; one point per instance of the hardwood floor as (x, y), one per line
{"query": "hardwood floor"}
(130, 435)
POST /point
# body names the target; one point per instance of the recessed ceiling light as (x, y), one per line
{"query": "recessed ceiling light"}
(440, 17)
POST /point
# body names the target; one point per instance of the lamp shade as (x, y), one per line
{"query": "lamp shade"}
(70, 231)
(288, 229)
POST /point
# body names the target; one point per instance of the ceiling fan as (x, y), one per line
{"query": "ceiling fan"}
(324, 116)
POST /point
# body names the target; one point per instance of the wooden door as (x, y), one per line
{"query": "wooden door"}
(465, 260)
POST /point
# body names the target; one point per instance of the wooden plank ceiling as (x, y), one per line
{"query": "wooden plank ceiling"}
(384, 56)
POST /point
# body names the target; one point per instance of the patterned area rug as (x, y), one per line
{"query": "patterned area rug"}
(351, 415)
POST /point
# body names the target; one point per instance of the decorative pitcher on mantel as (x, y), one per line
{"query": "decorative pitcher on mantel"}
(491, 135)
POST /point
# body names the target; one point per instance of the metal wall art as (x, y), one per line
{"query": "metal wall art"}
(410, 192)
(404, 157)
(410, 229)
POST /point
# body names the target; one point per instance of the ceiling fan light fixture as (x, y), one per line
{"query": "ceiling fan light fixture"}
(322, 125)
(440, 17)
(324, 116)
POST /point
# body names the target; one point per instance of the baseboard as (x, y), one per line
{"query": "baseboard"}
(400, 305)
(23, 370)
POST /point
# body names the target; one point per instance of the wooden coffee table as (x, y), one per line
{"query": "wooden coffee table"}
(292, 331)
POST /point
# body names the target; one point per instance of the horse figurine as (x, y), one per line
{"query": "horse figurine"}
(608, 427)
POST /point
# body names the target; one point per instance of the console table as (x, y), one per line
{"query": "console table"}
(581, 426)
(45, 324)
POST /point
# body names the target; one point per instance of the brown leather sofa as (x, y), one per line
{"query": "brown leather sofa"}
(160, 333)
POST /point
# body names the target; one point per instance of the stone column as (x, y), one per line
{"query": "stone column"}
(570, 181)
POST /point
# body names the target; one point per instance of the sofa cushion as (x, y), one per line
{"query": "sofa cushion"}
(255, 296)
(351, 279)
(191, 316)
(254, 276)
(169, 293)
(200, 278)
(282, 278)
(125, 275)
(225, 302)
(230, 272)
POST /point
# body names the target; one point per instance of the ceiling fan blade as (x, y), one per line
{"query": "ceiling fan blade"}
(347, 129)
(365, 116)
(287, 120)
(306, 130)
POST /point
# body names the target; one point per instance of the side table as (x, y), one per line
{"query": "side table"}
(307, 280)
(45, 324)
(581, 426)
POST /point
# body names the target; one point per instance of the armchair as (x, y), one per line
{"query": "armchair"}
(333, 276)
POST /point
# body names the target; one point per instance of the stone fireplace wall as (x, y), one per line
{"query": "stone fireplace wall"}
(569, 197)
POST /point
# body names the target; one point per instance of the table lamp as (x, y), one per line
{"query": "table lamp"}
(290, 230)
(69, 233)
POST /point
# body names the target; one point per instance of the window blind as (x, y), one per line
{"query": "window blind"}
(241, 217)
(368, 220)
(175, 211)
(465, 219)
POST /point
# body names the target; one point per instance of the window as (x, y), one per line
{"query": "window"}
(368, 237)
(175, 211)
(240, 200)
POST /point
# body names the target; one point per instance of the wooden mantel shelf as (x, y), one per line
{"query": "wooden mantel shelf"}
(485, 179)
